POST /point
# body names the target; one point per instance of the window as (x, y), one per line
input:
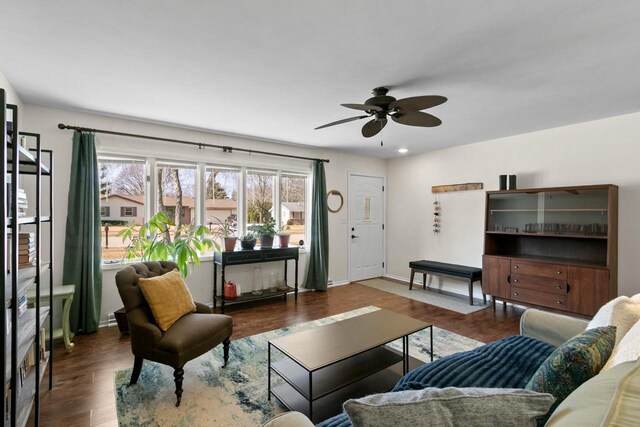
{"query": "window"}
(176, 192)
(221, 189)
(260, 197)
(122, 194)
(195, 194)
(293, 191)
(128, 211)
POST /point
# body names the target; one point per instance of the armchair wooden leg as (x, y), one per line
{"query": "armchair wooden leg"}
(178, 376)
(137, 368)
(226, 343)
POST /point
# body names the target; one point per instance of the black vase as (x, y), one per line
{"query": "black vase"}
(512, 182)
(503, 182)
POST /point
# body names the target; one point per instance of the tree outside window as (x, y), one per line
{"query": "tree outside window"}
(221, 197)
(260, 197)
(175, 194)
(122, 200)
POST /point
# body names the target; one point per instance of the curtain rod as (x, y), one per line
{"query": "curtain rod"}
(200, 145)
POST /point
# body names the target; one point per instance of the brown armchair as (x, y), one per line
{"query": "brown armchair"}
(192, 335)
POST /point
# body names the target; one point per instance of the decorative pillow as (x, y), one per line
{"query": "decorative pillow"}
(449, 407)
(168, 297)
(622, 312)
(573, 363)
(609, 399)
(628, 350)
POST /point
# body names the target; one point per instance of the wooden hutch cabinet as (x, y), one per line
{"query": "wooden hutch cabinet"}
(552, 247)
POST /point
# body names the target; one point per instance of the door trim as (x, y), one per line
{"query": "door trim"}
(384, 221)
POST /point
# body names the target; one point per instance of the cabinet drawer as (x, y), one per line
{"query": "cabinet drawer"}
(542, 284)
(541, 269)
(544, 299)
(242, 257)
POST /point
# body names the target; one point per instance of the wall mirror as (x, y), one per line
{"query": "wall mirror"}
(334, 201)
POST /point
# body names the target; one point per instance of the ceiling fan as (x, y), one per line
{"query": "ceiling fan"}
(404, 111)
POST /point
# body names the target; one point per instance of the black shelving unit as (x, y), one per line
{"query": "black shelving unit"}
(21, 332)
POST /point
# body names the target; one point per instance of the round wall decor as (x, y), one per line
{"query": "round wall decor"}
(334, 201)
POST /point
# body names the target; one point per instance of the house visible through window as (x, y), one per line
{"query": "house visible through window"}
(128, 211)
(192, 194)
(122, 201)
(221, 189)
(293, 193)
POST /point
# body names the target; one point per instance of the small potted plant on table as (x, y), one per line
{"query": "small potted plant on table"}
(265, 232)
(248, 241)
(284, 236)
(227, 230)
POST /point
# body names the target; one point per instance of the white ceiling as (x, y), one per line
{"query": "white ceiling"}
(276, 69)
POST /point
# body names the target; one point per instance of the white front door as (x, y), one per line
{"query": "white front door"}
(366, 227)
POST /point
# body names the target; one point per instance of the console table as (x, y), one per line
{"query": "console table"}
(252, 256)
(63, 293)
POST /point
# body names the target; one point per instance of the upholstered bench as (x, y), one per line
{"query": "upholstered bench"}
(452, 271)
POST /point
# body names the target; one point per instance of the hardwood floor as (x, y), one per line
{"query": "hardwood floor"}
(83, 386)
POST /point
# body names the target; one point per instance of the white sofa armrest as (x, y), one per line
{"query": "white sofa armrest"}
(551, 328)
(289, 419)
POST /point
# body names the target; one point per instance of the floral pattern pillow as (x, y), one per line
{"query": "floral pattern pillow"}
(573, 363)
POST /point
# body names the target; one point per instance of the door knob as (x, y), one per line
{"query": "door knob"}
(353, 236)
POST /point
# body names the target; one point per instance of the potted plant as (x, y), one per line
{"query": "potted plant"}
(265, 232)
(154, 242)
(226, 230)
(283, 236)
(248, 241)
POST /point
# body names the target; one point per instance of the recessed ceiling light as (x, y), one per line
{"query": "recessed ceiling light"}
(403, 150)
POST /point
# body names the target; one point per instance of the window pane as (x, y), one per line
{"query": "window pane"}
(221, 198)
(293, 206)
(259, 197)
(175, 193)
(122, 192)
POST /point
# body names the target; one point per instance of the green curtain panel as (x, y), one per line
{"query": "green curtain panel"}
(82, 247)
(318, 259)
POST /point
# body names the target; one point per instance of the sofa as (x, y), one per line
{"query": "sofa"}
(612, 397)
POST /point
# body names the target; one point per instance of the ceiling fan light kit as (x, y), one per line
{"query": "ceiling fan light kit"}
(403, 111)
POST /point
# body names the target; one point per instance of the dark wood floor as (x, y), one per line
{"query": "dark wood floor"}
(83, 386)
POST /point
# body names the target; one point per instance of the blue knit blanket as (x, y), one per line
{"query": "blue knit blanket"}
(506, 363)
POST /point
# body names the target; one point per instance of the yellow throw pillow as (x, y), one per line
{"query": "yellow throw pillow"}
(168, 297)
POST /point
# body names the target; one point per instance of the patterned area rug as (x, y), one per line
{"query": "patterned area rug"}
(454, 303)
(237, 394)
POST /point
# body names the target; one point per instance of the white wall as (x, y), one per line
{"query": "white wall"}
(12, 96)
(599, 152)
(45, 120)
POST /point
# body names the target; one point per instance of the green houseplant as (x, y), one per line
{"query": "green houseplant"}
(154, 242)
(265, 232)
(248, 241)
(227, 231)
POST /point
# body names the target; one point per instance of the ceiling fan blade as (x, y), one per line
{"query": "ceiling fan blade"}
(372, 127)
(350, 119)
(416, 103)
(362, 107)
(416, 118)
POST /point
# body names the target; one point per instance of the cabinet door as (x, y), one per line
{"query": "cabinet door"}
(588, 289)
(495, 276)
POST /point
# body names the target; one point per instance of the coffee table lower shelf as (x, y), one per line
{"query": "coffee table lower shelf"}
(321, 393)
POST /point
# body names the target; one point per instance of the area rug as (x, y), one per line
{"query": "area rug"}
(236, 395)
(454, 303)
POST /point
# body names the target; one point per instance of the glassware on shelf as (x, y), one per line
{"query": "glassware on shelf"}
(273, 286)
(257, 281)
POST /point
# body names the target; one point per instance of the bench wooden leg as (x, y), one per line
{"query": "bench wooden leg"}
(413, 272)
(424, 280)
(470, 292)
